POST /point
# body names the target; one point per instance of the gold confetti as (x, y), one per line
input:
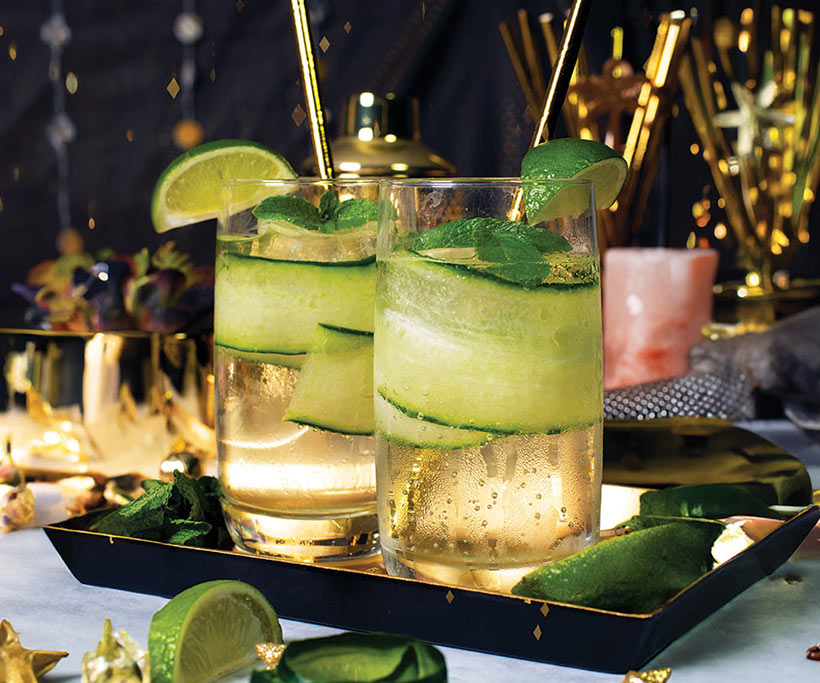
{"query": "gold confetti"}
(2, 31)
(129, 135)
(19, 663)
(92, 224)
(324, 44)
(537, 632)
(298, 115)
(71, 82)
(13, 50)
(449, 597)
(545, 609)
(16, 174)
(270, 654)
(212, 75)
(652, 676)
(173, 88)
(347, 27)
(187, 133)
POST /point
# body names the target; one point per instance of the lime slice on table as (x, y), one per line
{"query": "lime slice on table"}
(210, 630)
(570, 158)
(189, 189)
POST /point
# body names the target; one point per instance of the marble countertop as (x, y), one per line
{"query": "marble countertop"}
(761, 635)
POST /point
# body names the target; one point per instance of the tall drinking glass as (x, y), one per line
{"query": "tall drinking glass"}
(488, 378)
(295, 275)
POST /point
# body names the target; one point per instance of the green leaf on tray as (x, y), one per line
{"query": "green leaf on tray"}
(360, 657)
(640, 522)
(635, 573)
(710, 501)
(185, 512)
(509, 250)
(331, 216)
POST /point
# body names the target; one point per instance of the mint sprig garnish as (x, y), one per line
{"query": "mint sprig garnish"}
(509, 250)
(331, 215)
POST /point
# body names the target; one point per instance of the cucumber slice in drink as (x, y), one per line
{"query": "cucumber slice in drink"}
(396, 426)
(474, 352)
(295, 360)
(274, 306)
(335, 387)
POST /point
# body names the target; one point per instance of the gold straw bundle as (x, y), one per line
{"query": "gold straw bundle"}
(597, 104)
(768, 176)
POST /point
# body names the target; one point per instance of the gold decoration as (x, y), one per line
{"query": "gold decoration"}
(173, 88)
(653, 676)
(270, 654)
(767, 178)
(449, 597)
(597, 106)
(187, 133)
(536, 632)
(20, 665)
(545, 609)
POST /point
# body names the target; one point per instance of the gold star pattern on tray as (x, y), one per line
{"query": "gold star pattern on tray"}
(20, 665)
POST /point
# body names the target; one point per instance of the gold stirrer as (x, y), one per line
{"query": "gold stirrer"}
(310, 84)
(559, 82)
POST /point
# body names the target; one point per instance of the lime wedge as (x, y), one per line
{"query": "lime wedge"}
(210, 630)
(190, 188)
(570, 158)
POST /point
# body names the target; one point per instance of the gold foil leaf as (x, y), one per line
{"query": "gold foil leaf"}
(270, 654)
(652, 676)
(20, 665)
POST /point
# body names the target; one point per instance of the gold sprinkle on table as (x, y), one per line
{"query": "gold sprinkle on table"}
(651, 676)
(270, 654)
(449, 597)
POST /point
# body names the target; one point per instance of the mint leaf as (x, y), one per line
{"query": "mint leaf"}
(328, 204)
(294, 210)
(509, 250)
(354, 213)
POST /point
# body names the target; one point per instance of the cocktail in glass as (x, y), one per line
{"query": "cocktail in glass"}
(488, 378)
(295, 274)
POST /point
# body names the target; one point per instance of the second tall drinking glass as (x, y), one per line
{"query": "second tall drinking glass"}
(488, 378)
(295, 274)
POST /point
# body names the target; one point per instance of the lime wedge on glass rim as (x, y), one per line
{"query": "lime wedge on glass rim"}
(576, 159)
(190, 188)
(210, 630)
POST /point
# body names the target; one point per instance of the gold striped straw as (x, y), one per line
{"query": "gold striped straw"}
(310, 84)
(559, 82)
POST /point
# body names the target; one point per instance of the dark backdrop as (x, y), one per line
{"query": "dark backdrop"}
(446, 52)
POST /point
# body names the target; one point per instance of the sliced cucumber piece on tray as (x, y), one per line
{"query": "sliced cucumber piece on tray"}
(396, 426)
(274, 306)
(478, 353)
(335, 387)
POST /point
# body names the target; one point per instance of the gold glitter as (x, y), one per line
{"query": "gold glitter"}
(129, 135)
(324, 44)
(537, 632)
(270, 654)
(545, 609)
(449, 597)
(298, 115)
(212, 75)
(71, 82)
(92, 224)
(347, 27)
(13, 50)
(173, 88)
(652, 676)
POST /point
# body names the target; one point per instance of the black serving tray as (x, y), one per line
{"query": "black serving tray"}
(365, 598)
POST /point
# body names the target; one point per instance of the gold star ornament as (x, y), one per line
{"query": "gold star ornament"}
(19, 665)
